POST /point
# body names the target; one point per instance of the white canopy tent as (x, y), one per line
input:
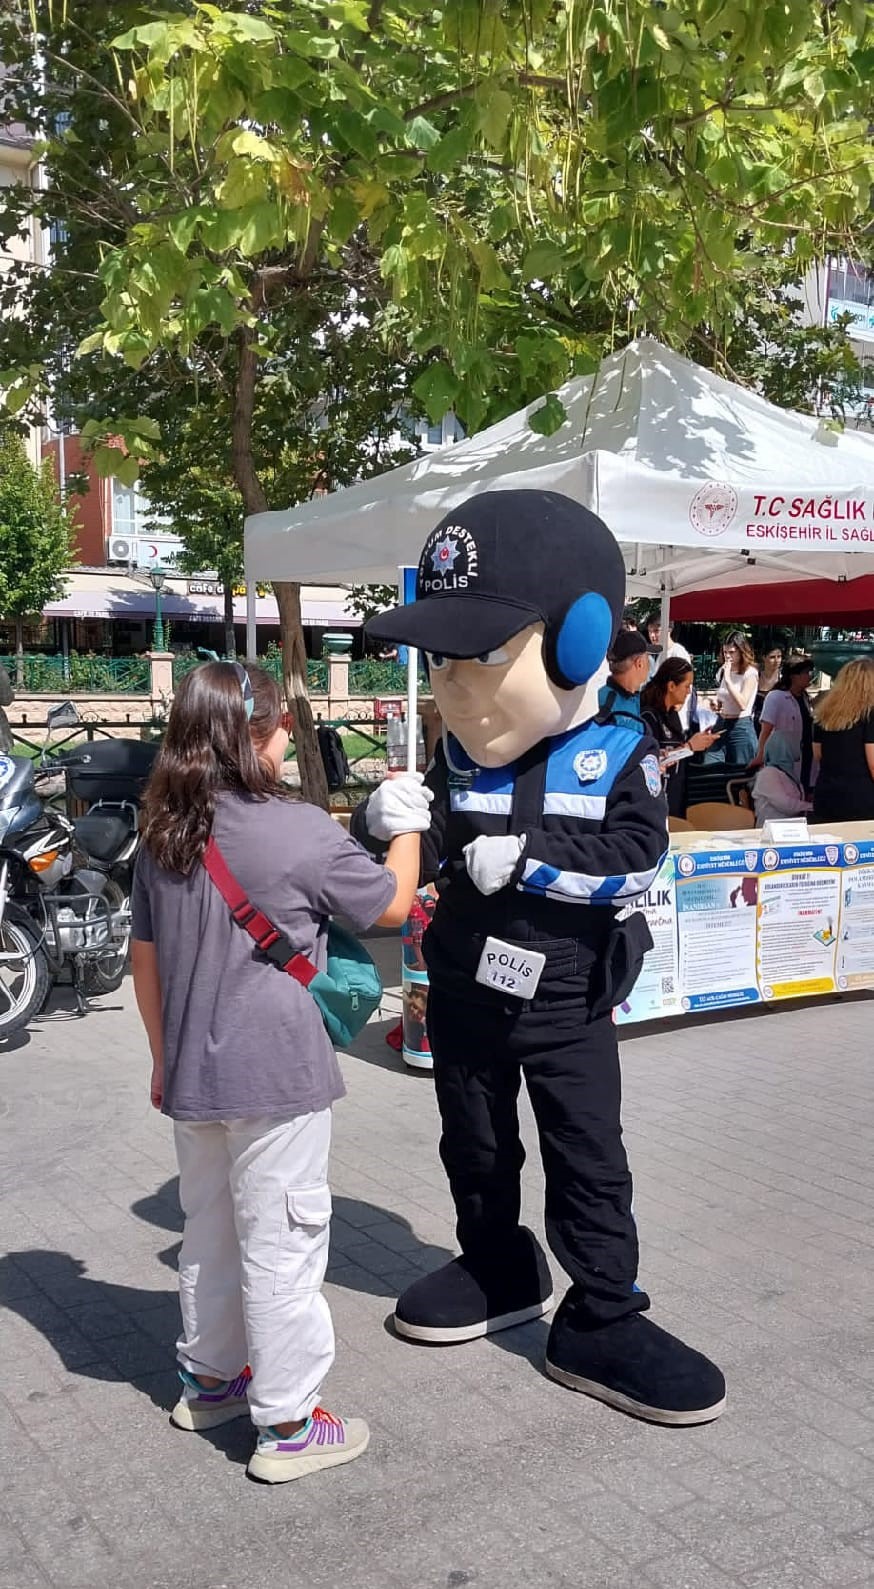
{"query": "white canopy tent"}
(702, 482)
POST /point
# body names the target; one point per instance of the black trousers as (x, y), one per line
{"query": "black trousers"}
(482, 1046)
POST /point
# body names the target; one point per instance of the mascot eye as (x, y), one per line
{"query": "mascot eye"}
(493, 659)
(436, 661)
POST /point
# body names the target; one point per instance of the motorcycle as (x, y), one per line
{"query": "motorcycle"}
(65, 881)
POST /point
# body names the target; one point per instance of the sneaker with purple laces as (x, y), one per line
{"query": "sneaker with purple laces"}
(323, 1442)
(202, 1408)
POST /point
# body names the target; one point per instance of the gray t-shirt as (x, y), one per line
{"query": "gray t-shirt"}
(241, 1037)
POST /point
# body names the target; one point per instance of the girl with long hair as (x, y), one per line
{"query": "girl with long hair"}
(662, 704)
(843, 745)
(736, 685)
(241, 1061)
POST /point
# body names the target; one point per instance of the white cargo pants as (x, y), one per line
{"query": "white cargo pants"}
(254, 1251)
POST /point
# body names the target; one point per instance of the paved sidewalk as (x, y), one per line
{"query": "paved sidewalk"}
(751, 1140)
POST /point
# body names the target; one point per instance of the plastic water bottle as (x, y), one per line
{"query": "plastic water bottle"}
(395, 742)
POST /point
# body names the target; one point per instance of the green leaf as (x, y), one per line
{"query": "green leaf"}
(148, 428)
(492, 276)
(422, 134)
(357, 133)
(453, 148)
(542, 261)
(501, 221)
(436, 389)
(494, 108)
(182, 228)
(547, 419)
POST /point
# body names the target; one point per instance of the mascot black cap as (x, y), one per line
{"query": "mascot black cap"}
(507, 559)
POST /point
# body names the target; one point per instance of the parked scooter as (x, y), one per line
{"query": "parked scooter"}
(65, 883)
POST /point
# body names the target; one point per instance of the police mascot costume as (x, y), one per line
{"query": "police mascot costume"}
(541, 819)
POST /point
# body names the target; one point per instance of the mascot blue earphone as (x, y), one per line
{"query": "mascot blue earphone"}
(545, 821)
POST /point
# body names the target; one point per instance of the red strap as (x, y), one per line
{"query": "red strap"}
(250, 918)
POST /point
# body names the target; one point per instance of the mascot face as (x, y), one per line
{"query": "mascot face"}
(499, 704)
(518, 596)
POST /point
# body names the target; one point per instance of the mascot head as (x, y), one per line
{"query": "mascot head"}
(518, 596)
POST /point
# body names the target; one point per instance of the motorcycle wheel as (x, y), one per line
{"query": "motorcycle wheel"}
(25, 977)
(106, 974)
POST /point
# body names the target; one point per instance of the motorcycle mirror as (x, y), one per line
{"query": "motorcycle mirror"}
(62, 716)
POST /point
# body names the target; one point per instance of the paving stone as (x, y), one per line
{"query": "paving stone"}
(754, 1188)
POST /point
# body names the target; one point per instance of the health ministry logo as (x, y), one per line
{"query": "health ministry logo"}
(713, 508)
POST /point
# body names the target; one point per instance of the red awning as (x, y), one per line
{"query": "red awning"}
(844, 604)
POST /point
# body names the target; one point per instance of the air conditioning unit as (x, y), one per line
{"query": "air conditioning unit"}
(122, 549)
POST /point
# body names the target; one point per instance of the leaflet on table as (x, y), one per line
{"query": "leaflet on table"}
(799, 907)
(717, 895)
(855, 952)
(656, 992)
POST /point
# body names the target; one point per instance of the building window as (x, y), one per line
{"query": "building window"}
(132, 512)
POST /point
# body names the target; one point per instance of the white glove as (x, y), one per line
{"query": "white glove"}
(399, 805)
(491, 862)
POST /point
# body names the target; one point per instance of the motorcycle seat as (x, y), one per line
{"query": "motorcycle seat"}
(102, 835)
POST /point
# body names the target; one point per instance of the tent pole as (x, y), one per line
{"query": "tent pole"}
(665, 620)
(251, 625)
(412, 703)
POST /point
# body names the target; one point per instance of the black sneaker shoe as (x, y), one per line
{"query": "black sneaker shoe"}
(462, 1301)
(634, 1365)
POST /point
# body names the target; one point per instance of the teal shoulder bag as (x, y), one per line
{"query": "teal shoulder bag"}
(347, 993)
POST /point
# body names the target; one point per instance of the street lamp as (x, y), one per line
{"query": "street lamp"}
(157, 579)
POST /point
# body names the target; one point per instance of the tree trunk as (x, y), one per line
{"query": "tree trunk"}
(19, 653)
(313, 783)
(230, 637)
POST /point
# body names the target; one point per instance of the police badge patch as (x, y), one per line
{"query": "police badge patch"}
(590, 764)
(650, 769)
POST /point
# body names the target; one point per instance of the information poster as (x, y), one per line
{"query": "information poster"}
(855, 952)
(717, 899)
(656, 992)
(799, 909)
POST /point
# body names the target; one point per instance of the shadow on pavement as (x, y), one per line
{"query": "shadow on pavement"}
(348, 1267)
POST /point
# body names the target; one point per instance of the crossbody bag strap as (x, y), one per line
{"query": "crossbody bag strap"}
(272, 943)
(529, 789)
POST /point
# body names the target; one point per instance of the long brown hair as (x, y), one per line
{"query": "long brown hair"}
(211, 745)
(672, 671)
(747, 655)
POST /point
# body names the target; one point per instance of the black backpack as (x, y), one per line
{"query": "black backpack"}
(333, 757)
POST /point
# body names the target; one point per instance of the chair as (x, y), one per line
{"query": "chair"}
(710, 815)
(739, 791)
(679, 825)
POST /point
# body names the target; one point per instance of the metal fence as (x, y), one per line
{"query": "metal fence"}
(79, 674)
(370, 677)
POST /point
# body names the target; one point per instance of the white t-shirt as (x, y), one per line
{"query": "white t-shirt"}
(746, 685)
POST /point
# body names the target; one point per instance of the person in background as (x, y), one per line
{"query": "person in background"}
(629, 622)
(843, 745)
(241, 1061)
(787, 711)
(662, 702)
(769, 678)
(736, 685)
(7, 696)
(777, 793)
(653, 632)
(619, 698)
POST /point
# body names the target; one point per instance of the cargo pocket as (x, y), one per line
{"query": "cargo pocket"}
(621, 966)
(302, 1255)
